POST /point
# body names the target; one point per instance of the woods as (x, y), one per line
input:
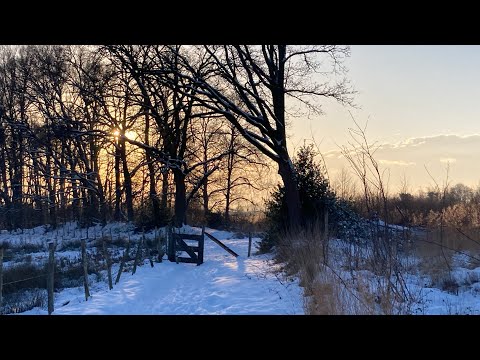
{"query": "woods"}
(144, 133)
(112, 156)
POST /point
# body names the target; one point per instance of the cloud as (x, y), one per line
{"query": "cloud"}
(448, 160)
(397, 162)
(436, 139)
(412, 156)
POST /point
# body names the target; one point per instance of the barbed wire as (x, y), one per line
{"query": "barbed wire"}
(30, 278)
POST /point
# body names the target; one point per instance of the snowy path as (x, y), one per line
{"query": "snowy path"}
(221, 285)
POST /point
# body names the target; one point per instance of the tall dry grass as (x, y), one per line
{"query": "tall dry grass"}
(332, 284)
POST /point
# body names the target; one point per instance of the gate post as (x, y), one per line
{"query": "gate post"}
(170, 245)
(201, 244)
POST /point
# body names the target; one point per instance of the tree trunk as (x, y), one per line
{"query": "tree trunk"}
(164, 204)
(51, 193)
(3, 171)
(153, 192)
(62, 181)
(100, 194)
(230, 164)
(228, 193)
(151, 175)
(76, 195)
(285, 166)
(205, 198)
(16, 175)
(118, 186)
(292, 196)
(127, 181)
(180, 198)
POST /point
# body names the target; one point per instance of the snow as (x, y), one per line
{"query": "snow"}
(391, 226)
(67, 232)
(434, 301)
(223, 284)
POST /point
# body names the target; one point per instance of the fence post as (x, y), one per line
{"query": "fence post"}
(1, 276)
(159, 246)
(108, 262)
(122, 263)
(249, 243)
(201, 245)
(50, 276)
(137, 257)
(147, 247)
(170, 244)
(85, 269)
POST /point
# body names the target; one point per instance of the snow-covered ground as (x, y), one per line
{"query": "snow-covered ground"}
(427, 295)
(223, 284)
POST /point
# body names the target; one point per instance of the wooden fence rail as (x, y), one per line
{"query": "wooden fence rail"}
(222, 245)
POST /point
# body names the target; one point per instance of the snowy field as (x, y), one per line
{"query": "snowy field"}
(223, 284)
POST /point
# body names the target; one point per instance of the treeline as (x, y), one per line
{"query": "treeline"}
(456, 205)
(459, 205)
(145, 132)
(95, 134)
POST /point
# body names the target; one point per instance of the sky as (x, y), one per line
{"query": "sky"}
(422, 105)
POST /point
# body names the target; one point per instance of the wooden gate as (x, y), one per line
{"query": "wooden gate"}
(177, 244)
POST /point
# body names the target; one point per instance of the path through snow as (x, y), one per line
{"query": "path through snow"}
(221, 285)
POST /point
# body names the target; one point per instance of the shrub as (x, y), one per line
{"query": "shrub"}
(23, 276)
(215, 220)
(24, 300)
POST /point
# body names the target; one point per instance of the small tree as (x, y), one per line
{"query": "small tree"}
(315, 197)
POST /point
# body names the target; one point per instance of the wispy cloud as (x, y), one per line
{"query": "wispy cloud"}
(397, 162)
(439, 138)
(448, 160)
(411, 156)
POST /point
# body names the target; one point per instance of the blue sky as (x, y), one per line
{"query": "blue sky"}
(411, 95)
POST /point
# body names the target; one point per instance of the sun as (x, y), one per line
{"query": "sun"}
(129, 134)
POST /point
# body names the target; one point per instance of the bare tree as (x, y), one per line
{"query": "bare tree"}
(169, 100)
(13, 116)
(206, 135)
(344, 185)
(243, 169)
(251, 84)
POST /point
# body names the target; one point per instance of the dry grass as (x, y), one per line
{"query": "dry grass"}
(330, 295)
(436, 252)
(349, 278)
(328, 291)
(302, 252)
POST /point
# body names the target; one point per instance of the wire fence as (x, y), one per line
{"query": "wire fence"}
(19, 281)
(97, 256)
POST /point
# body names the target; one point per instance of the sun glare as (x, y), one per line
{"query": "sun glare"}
(131, 135)
(128, 134)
